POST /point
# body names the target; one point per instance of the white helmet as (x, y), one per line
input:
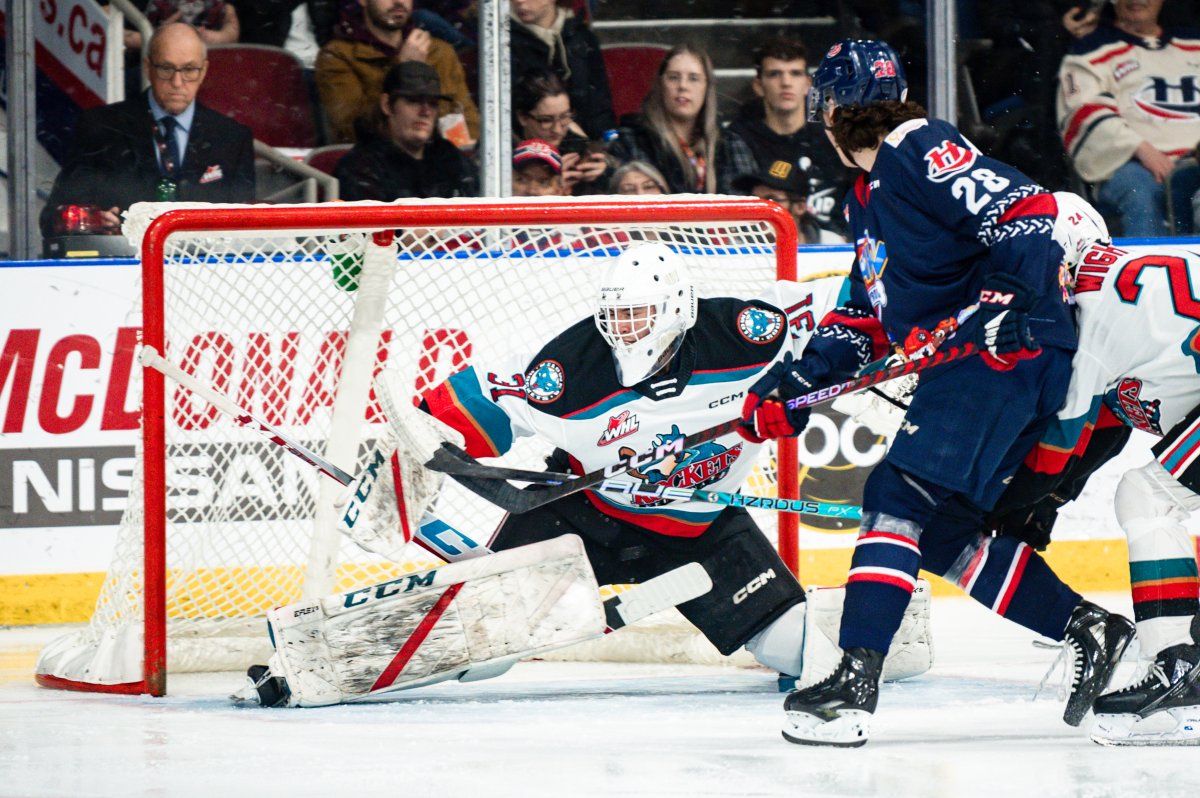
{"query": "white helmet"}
(1077, 227)
(646, 304)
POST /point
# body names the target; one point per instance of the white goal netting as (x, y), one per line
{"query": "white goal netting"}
(291, 321)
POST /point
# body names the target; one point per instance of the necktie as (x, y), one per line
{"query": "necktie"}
(170, 152)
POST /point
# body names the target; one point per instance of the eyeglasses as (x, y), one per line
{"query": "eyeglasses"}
(190, 74)
(560, 119)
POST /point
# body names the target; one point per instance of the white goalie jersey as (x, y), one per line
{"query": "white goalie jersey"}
(1139, 350)
(569, 394)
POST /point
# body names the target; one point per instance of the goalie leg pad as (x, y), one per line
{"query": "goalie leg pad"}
(477, 615)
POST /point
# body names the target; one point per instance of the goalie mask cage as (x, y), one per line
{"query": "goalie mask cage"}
(290, 311)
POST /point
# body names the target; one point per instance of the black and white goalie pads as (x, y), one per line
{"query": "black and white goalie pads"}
(460, 621)
(383, 508)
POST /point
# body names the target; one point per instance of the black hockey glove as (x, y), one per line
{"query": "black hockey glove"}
(1003, 333)
(765, 414)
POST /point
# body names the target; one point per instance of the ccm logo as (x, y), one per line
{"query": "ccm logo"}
(724, 400)
(996, 297)
(753, 585)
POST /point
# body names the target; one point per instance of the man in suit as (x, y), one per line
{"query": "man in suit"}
(161, 139)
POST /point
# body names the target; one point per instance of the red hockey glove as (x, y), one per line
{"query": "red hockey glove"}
(1003, 334)
(763, 417)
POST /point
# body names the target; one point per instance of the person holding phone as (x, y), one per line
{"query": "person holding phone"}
(543, 111)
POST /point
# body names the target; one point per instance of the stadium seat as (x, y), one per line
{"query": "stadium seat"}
(631, 72)
(326, 158)
(263, 88)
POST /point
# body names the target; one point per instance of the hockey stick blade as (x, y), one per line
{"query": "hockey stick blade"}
(657, 594)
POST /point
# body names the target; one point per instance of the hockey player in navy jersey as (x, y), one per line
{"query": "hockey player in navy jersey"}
(944, 235)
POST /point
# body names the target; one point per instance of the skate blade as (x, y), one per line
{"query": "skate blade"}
(850, 729)
(1177, 726)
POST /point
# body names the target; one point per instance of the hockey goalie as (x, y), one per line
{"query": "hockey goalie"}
(663, 361)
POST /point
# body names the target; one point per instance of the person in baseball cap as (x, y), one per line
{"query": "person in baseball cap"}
(787, 184)
(537, 170)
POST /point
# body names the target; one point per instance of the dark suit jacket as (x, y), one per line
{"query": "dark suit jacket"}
(113, 160)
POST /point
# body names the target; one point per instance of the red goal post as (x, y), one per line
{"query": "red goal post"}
(442, 236)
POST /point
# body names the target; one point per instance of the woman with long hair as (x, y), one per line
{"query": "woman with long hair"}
(543, 111)
(678, 132)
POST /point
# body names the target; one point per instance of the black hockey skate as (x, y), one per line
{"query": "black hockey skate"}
(272, 690)
(1095, 639)
(1162, 708)
(836, 711)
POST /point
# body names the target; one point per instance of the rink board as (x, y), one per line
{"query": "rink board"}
(68, 426)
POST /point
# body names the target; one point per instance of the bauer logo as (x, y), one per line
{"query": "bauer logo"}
(544, 382)
(759, 326)
(948, 160)
(622, 425)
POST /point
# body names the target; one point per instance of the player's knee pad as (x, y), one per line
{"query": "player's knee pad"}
(1149, 492)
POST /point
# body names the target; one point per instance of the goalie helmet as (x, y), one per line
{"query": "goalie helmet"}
(646, 303)
(1077, 228)
(856, 72)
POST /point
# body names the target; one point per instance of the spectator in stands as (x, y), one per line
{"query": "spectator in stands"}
(537, 170)
(351, 67)
(678, 133)
(1128, 112)
(637, 177)
(547, 35)
(786, 184)
(157, 144)
(215, 20)
(543, 111)
(775, 129)
(401, 153)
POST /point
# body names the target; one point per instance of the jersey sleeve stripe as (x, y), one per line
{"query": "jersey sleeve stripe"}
(459, 403)
(1082, 115)
(1037, 205)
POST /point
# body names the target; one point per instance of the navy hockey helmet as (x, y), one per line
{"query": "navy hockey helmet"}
(856, 72)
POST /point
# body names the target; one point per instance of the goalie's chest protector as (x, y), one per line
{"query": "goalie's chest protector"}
(577, 403)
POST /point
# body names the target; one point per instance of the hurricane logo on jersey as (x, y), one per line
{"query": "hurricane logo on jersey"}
(622, 425)
(1176, 102)
(947, 160)
(759, 326)
(696, 467)
(1191, 347)
(1127, 404)
(544, 382)
(872, 260)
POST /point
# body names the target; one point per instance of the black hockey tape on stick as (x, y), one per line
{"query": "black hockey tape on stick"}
(450, 459)
(515, 500)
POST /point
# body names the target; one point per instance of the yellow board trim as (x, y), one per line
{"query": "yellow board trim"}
(1086, 565)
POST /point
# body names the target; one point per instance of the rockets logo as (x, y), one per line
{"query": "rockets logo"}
(622, 425)
(1191, 347)
(759, 326)
(1127, 404)
(544, 382)
(692, 468)
(948, 160)
(1161, 99)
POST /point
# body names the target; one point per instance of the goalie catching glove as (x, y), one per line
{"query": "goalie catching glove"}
(764, 417)
(1003, 334)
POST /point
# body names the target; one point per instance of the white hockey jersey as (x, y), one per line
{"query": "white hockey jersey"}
(1117, 90)
(1139, 343)
(569, 395)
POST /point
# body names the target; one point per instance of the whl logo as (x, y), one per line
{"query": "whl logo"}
(948, 160)
(619, 426)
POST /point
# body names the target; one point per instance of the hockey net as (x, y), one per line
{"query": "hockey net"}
(290, 311)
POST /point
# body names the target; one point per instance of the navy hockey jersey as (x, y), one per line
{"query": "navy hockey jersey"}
(931, 221)
(569, 395)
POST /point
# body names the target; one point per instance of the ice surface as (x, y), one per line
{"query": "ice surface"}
(968, 728)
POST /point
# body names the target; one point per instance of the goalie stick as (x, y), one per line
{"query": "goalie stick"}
(515, 500)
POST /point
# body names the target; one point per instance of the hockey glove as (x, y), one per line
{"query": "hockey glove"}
(763, 417)
(1003, 334)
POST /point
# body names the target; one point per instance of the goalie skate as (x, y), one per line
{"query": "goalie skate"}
(1161, 708)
